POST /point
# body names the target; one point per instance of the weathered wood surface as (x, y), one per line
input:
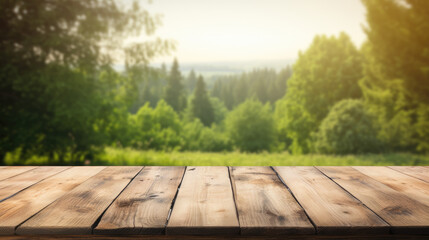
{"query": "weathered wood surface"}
(264, 205)
(13, 185)
(332, 210)
(77, 211)
(404, 214)
(235, 202)
(144, 205)
(414, 171)
(7, 172)
(410, 186)
(25, 204)
(205, 204)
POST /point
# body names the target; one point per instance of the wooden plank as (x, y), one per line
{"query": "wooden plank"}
(25, 204)
(78, 210)
(176, 237)
(7, 172)
(410, 186)
(332, 210)
(404, 214)
(13, 185)
(419, 172)
(144, 205)
(265, 206)
(204, 204)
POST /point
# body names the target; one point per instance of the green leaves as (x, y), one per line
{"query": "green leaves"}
(327, 72)
(348, 129)
(251, 127)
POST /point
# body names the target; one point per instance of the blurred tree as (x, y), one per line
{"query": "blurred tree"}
(174, 92)
(348, 129)
(191, 81)
(201, 107)
(157, 128)
(262, 84)
(50, 60)
(324, 74)
(251, 127)
(219, 110)
(207, 139)
(396, 80)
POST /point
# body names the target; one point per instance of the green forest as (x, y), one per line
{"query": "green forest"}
(63, 102)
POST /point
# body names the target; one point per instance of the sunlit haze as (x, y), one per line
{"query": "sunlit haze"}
(241, 30)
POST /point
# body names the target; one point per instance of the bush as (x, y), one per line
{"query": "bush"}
(157, 128)
(206, 139)
(250, 126)
(348, 128)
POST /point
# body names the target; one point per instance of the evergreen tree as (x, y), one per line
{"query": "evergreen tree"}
(147, 95)
(174, 94)
(201, 106)
(191, 81)
(226, 96)
(216, 90)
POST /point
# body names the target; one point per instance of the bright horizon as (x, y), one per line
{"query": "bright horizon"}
(246, 30)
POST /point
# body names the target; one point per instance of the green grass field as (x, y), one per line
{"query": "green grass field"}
(127, 156)
(113, 156)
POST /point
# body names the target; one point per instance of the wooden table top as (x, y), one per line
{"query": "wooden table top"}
(233, 202)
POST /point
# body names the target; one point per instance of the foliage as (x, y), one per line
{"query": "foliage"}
(327, 72)
(51, 57)
(348, 129)
(191, 82)
(133, 157)
(219, 110)
(174, 91)
(396, 79)
(201, 106)
(263, 84)
(157, 128)
(251, 127)
(63, 99)
(197, 137)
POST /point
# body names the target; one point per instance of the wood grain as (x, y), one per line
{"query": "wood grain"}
(78, 210)
(404, 214)
(333, 210)
(13, 185)
(410, 186)
(193, 237)
(204, 204)
(265, 206)
(419, 172)
(144, 205)
(25, 204)
(7, 172)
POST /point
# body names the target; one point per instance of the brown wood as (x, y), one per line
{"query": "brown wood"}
(404, 214)
(410, 186)
(265, 206)
(419, 172)
(342, 202)
(332, 210)
(13, 185)
(7, 172)
(204, 204)
(25, 204)
(144, 205)
(77, 211)
(289, 237)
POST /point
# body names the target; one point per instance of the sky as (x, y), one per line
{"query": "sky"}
(241, 30)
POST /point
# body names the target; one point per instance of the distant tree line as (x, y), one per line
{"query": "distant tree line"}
(61, 98)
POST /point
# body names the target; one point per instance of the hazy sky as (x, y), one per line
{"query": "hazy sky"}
(239, 30)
